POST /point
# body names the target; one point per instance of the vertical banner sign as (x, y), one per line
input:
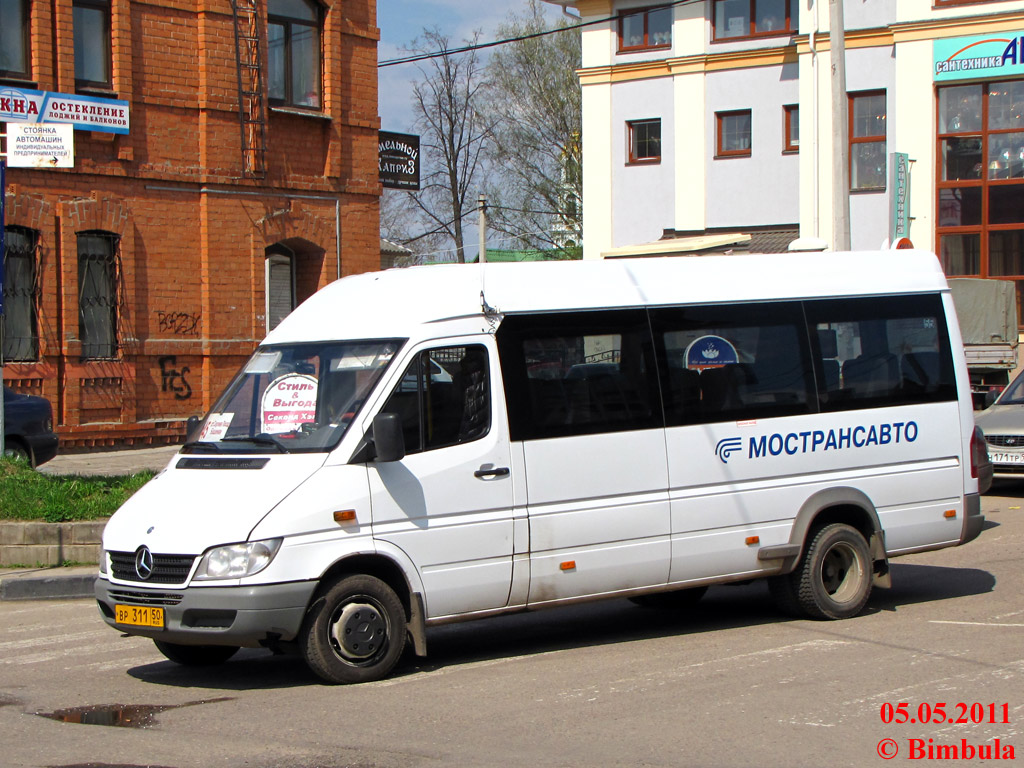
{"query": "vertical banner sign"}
(398, 157)
(899, 183)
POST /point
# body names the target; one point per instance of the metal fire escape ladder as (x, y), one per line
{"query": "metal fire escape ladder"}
(252, 113)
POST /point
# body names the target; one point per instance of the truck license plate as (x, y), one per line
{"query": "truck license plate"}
(139, 616)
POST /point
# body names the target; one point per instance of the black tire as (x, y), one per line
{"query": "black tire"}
(783, 592)
(675, 600)
(833, 580)
(15, 450)
(196, 655)
(355, 631)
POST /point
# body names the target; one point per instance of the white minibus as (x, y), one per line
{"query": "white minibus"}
(445, 443)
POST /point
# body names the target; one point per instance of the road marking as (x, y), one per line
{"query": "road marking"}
(975, 623)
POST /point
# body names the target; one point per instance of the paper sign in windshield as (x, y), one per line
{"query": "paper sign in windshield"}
(288, 403)
(216, 426)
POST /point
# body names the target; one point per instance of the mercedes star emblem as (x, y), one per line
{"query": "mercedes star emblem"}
(144, 563)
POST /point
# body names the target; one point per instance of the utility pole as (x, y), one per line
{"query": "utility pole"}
(482, 226)
(840, 130)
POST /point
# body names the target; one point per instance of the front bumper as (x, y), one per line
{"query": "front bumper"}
(44, 447)
(250, 616)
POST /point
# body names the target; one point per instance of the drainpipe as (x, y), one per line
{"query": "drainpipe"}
(814, 119)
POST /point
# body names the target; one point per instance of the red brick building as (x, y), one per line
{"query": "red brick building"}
(139, 280)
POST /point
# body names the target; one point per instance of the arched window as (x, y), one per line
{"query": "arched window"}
(97, 294)
(21, 329)
(280, 284)
(294, 55)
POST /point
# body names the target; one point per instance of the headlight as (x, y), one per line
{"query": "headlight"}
(237, 561)
(103, 561)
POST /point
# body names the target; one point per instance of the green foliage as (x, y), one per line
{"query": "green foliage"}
(29, 495)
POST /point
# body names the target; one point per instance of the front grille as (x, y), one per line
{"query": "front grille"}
(1005, 441)
(167, 569)
(145, 598)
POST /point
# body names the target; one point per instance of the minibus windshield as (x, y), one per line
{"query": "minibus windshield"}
(294, 398)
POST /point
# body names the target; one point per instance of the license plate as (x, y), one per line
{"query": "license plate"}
(139, 616)
(1006, 458)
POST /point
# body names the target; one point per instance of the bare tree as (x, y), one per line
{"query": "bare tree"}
(534, 104)
(453, 135)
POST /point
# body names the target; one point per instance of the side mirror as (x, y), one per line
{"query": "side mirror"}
(191, 426)
(388, 438)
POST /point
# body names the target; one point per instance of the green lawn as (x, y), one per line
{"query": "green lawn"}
(29, 495)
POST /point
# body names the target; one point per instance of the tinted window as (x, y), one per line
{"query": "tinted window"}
(578, 373)
(443, 398)
(724, 363)
(877, 352)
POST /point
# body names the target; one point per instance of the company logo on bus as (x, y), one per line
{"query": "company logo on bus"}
(818, 441)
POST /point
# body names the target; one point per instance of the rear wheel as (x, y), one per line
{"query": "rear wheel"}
(675, 600)
(196, 655)
(833, 580)
(355, 632)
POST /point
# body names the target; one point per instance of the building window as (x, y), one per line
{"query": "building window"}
(791, 128)
(91, 19)
(97, 294)
(644, 141)
(280, 284)
(980, 202)
(867, 141)
(733, 133)
(21, 289)
(14, 39)
(747, 18)
(293, 36)
(646, 29)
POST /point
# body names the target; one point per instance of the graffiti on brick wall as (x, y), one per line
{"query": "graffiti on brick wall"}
(172, 379)
(178, 323)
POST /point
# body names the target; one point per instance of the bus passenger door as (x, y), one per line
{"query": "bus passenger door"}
(448, 503)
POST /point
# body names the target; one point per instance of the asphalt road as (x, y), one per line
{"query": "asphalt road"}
(731, 683)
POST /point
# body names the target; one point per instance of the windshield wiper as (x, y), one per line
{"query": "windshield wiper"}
(261, 439)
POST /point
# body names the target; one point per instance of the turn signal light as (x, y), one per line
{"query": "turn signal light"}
(568, 565)
(753, 540)
(345, 516)
(949, 514)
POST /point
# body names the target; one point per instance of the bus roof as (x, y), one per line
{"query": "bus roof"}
(392, 303)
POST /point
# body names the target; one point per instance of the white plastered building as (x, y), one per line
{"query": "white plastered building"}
(714, 116)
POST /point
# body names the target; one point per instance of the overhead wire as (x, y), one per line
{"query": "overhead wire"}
(518, 39)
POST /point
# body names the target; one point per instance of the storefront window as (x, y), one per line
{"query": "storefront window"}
(980, 204)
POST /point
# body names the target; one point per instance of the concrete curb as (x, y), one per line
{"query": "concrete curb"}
(48, 583)
(49, 544)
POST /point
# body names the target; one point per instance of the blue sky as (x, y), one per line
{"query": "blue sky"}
(400, 21)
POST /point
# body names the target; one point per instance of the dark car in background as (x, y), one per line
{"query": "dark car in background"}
(28, 428)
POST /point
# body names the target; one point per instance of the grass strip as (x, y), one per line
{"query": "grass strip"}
(27, 495)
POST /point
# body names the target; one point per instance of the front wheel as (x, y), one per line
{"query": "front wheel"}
(355, 632)
(833, 581)
(196, 655)
(15, 450)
